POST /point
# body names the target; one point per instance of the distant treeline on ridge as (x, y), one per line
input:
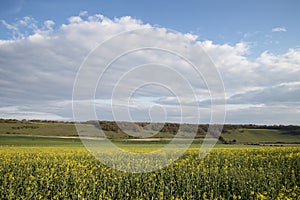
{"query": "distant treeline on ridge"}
(163, 127)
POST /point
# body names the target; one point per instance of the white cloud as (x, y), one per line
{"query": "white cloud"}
(38, 69)
(191, 36)
(21, 28)
(48, 24)
(75, 19)
(9, 26)
(21, 112)
(83, 13)
(279, 29)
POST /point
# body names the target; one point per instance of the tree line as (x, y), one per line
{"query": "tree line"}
(167, 127)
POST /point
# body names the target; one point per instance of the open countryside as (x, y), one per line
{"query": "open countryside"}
(149, 100)
(249, 163)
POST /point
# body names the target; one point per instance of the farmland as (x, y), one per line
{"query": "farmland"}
(73, 173)
(38, 132)
(46, 160)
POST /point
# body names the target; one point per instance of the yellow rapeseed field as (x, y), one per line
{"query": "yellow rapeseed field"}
(73, 173)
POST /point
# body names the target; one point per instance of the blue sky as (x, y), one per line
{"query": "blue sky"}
(221, 21)
(254, 45)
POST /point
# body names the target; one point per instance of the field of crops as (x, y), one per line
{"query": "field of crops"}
(73, 173)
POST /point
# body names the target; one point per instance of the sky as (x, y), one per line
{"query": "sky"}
(254, 46)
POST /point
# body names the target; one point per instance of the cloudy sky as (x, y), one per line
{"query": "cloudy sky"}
(51, 49)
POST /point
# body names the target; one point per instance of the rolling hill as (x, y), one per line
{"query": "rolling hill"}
(44, 132)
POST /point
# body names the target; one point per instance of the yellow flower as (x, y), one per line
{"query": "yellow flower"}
(31, 178)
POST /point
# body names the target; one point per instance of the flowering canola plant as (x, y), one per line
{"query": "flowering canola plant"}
(73, 173)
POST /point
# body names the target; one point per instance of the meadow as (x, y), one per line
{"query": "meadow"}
(225, 173)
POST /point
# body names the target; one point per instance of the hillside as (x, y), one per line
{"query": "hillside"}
(11, 129)
(261, 136)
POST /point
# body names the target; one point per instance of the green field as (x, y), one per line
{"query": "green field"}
(38, 128)
(260, 136)
(24, 140)
(14, 132)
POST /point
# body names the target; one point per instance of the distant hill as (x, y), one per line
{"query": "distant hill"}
(240, 134)
(37, 127)
(261, 136)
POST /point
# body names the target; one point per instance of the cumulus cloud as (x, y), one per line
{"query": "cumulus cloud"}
(39, 65)
(48, 24)
(279, 29)
(21, 28)
(23, 112)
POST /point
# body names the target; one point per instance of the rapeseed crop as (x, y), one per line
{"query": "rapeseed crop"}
(73, 173)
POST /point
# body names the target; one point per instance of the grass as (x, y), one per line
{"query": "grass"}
(132, 146)
(59, 129)
(23, 140)
(260, 136)
(29, 133)
(38, 128)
